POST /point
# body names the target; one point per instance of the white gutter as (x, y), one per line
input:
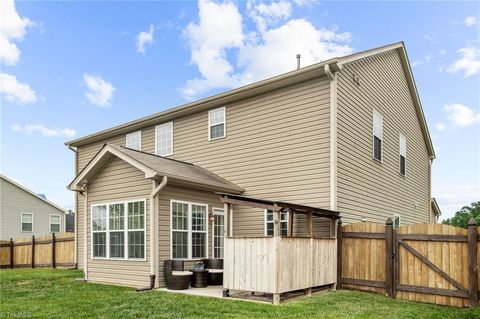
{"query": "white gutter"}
(154, 232)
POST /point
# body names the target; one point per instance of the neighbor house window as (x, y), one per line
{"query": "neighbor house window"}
(216, 123)
(55, 223)
(396, 221)
(269, 223)
(164, 139)
(120, 227)
(134, 140)
(188, 230)
(377, 136)
(403, 154)
(27, 222)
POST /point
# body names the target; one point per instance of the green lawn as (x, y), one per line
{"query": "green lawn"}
(50, 293)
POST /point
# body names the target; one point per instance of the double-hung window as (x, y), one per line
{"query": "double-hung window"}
(270, 225)
(377, 136)
(164, 139)
(403, 155)
(188, 230)
(118, 230)
(55, 221)
(216, 123)
(134, 140)
(218, 228)
(27, 222)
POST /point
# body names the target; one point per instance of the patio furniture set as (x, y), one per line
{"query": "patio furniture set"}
(177, 278)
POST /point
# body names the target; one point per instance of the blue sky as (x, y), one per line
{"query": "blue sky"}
(72, 68)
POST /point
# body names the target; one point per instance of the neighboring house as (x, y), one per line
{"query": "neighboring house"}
(436, 212)
(347, 134)
(24, 213)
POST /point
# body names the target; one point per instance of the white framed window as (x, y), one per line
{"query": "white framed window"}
(396, 221)
(118, 230)
(216, 123)
(270, 225)
(377, 136)
(164, 139)
(134, 140)
(218, 232)
(188, 231)
(403, 155)
(55, 223)
(27, 222)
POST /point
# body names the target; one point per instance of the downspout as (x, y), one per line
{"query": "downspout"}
(154, 234)
(331, 75)
(75, 222)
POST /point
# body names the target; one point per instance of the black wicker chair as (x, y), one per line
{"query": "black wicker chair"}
(176, 278)
(215, 271)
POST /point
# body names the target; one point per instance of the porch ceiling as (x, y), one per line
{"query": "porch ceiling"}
(277, 205)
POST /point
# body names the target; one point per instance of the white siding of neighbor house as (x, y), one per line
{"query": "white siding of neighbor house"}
(13, 202)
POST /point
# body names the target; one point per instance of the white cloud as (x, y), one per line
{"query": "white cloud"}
(469, 63)
(100, 92)
(461, 115)
(453, 198)
(440, 126)
(12, 28)
(470, 21)
(426, 59)
(15, 91)
(44, 131)
(228, 55)
(144, 38)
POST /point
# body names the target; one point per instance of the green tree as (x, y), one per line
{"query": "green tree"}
(463, 215)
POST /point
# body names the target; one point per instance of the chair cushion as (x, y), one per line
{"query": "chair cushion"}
(181, 273)
(215, 270)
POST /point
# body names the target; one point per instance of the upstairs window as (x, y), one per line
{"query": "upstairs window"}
(55, 223)
(27, 222)
(269, 223)
(216, 123)
(403, 154)
(377, 136)
(134, 140)
(164, 139)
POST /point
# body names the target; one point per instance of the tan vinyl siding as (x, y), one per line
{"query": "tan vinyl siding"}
(367, 188)
(277, 147)
(119, 181)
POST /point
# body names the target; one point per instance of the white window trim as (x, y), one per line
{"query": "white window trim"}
(189, 230)
(399, 220)
(50, 222)
(223, 108)
(400, 153)
(125, 230)
(21, 223)
(266, 221)
(134, 133)
(156, 138)
(373, 137)
(217, 211)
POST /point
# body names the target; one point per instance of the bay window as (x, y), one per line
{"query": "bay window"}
(118, 230)
(188, 230)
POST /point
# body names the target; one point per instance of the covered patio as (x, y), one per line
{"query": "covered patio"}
(277, 265)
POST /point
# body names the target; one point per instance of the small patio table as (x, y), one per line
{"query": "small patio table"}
(199, 278)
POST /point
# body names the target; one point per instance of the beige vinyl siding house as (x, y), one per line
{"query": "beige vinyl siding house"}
(24, 213)
(305, 137)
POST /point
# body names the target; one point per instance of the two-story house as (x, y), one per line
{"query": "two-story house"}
(347, 134)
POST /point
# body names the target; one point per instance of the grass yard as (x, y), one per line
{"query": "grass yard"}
(47, 293)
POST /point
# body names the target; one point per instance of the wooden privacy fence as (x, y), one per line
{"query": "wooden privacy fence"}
(431, 263)
(55, 250)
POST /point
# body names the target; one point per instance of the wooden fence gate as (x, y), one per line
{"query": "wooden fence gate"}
(431, 263)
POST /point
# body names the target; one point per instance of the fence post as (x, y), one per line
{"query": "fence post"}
(33, 251)
(12, 251)
(339, 253)
(54, 261)
(472, 262)
(389, 257)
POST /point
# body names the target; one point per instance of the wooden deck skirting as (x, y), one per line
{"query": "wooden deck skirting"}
(431, 263)
(47, 251)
